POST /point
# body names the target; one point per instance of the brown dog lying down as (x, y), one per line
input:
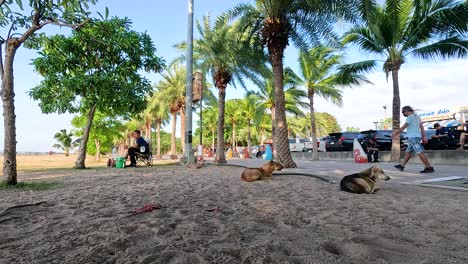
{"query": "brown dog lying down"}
(262, 173)
(364, 181)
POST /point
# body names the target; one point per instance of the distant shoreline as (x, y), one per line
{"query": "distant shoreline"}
(35, 153)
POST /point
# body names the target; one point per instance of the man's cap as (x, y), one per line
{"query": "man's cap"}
(407, 108)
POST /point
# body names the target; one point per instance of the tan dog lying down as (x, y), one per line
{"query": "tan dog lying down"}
(262, 173)
(364, 181)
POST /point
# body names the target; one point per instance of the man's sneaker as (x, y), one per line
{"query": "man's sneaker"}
(427, 170)
(399, 167)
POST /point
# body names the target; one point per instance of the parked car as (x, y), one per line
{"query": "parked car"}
(296, 144)
(342, 141)
(308, 145)
(383, 138)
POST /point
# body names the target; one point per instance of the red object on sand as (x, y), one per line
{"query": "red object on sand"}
(148, 208)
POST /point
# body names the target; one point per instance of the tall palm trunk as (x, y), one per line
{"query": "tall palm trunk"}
(233, 136)
(395, 157)
(273, 117)
(212, 139)
(148, 131)
(173, 136)
(158, 138)
(9, 117)
(313, 127)
(80, 161)
(249, 139)
(280, 139)
(98, 149)
(220, 157)
(182, 128)
(262, 134)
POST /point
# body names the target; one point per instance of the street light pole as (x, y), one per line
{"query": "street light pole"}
(188, 91)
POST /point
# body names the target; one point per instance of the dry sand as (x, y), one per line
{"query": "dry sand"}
(210, 216)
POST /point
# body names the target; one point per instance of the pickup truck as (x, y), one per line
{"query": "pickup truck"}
(296, 145)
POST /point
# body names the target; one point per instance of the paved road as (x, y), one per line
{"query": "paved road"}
(337, 169)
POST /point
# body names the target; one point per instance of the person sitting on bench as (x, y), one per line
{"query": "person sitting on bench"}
(140, 146)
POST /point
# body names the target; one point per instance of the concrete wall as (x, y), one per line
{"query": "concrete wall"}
(449, 157)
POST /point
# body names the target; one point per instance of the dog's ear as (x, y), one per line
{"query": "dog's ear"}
(373, 170)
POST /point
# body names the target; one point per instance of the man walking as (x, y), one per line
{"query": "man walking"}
(414, 131)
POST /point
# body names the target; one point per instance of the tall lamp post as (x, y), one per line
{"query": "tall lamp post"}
(385, 116)
(188, 91)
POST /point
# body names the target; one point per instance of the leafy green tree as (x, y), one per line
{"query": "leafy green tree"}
(158, 109)
(104, 133)
(65, 141)
(317, 68)
(234, 116)
(353, 129)
(172, 89)
(327, 123)
(95, 69)
(23, 24)
(229, 56)
(252, 110)
(210, 122)
(277, 21)
(398, 29)
(293, 95)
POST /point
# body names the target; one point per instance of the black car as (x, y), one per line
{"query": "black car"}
(342, 141)
(383, 138)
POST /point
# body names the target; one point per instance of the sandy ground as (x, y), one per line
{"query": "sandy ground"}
(210, 216)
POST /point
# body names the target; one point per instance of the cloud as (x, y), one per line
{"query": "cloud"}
(425, 86)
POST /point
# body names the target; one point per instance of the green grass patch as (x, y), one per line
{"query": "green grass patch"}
(36, 185)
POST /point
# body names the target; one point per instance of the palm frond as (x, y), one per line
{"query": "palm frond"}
(453, 47)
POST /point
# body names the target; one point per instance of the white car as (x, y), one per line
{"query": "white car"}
(296, 145)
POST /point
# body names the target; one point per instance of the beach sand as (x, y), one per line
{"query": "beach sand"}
(210, 216)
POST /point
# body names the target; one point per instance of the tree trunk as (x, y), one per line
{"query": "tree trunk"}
(262, 134)
(158, 138)
(182, 128)
(80, 161)
(173, 136)
(212, 139)
(249, 139)
(280, 138)
(395, 157)
(233, 136)
(9, 117)
(98, 150)
(148, 131)
(220, 157)
(67, 152)
(273, 117)
(312, 125)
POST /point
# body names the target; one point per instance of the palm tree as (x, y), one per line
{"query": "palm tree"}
(293, 95)
(252, 111)
(264, 126)
(277, 21)
(233, 117)
(158, 109)
(229, 56)
(210, 122)
(64, 141)
(317, 66)
(172, 89)
(428, 29)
